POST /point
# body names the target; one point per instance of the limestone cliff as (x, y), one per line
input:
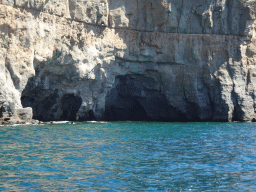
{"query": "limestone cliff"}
(160, 60)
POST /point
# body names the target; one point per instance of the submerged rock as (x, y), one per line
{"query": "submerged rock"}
(147, 60)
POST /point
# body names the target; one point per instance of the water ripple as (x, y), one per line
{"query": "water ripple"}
(127, 156)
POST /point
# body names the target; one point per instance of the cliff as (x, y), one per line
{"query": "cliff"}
(159, 60)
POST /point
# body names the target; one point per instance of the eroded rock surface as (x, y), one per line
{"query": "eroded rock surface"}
(165, 60)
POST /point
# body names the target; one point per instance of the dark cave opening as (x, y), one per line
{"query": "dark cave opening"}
(50, 105)
(132, 112)
(70, 106)
(135, 98)
(42, 102)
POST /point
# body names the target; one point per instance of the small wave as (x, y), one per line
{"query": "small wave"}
(14, 125)
(96, 122)
(54, 122)
(60, 122)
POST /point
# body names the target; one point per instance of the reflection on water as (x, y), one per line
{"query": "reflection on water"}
(128, 156)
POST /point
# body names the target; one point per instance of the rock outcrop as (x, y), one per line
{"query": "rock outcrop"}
(159, 60)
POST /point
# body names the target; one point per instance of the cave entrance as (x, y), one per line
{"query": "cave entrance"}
(136, 98)
(70, 106)
(126, 109)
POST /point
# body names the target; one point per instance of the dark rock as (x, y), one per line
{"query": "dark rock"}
(70, 106)
(136, 98)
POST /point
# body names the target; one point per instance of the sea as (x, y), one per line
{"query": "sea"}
(128, 156)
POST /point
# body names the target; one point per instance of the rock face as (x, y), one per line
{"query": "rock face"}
(159, 60)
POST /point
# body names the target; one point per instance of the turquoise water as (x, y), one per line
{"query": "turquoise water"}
(127, 156)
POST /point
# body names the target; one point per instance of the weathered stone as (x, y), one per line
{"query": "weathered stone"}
(25, 114)
(153, 60)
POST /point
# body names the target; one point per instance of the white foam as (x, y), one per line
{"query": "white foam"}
(96, 121)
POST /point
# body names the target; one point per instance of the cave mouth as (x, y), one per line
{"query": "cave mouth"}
(133, 111)
(136, 98)
(70, 106)
(50, 104)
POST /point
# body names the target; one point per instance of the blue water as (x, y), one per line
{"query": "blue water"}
(128, 156)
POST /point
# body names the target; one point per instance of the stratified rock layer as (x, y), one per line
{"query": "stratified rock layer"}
(165, 60)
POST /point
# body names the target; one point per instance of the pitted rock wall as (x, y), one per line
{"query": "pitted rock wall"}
(176, 16)
(198, 57)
